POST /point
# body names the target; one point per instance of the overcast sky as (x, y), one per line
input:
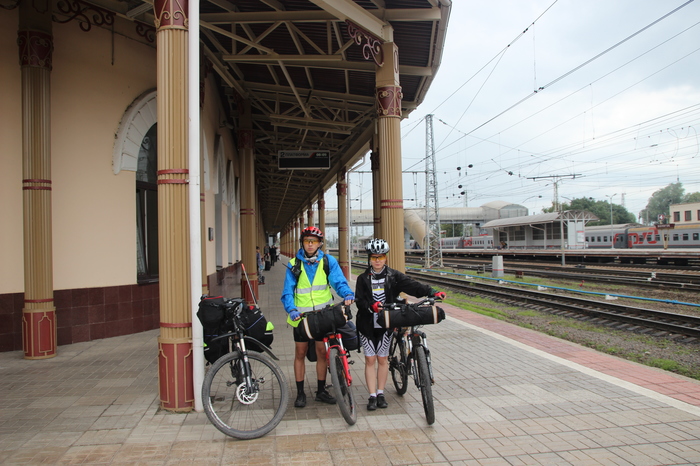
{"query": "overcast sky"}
(529, 104)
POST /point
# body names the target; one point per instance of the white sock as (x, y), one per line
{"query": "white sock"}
(372, 395)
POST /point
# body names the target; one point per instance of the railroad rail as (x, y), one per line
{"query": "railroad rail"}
(649, 279)
(635, 318)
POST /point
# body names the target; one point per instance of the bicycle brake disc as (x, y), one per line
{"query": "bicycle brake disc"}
(247, 397)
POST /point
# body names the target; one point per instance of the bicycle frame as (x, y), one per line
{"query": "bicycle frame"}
(335, 340)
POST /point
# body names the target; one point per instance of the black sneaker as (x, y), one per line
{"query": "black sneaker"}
(381, 401)
(372, 403)
(325, 397)
(300, 402)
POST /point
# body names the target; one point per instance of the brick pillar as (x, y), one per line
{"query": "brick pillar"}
(175, 341)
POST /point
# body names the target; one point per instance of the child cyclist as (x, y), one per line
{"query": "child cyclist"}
(379, 285)
(307, 287)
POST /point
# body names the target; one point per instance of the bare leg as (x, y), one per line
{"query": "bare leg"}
(299, 363)
(382, 372)
(371, 373)
(321, 363)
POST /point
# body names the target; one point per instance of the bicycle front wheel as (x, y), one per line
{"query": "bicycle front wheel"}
(341, 387)
(398, 364)
(240, 409)
(426, 389)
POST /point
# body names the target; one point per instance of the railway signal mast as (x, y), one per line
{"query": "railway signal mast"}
(433, 248)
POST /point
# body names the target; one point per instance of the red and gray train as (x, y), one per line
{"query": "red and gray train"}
(625, 236)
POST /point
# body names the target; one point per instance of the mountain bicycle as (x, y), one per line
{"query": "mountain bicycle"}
(245, 394)
(337, 359)
(409, 355)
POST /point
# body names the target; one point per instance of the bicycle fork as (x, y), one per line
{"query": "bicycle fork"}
(420, 339)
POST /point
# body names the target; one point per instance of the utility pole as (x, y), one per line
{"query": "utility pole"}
(433, 248)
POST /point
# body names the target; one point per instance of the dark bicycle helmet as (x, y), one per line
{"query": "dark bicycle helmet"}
(311, 231)
(377, 246)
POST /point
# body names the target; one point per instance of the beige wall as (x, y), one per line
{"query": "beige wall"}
(11, 255)
(94, 210)
(94, 217)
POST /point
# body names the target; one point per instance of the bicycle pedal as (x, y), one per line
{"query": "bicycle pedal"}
(351, 362)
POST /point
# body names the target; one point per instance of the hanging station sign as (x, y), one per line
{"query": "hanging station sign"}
(304, 159)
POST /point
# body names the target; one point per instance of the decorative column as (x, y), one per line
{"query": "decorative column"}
(342, 187)
(376, 211)
(35, 49)
(310, 216)
(294, 240)
(175, 341)
(321, 212)
(389, 132)
(248, 221)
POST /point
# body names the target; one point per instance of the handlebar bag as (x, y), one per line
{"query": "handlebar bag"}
(316, 324)
(410, 315)
(255, 325)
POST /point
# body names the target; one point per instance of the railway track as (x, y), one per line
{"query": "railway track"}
(621, 316)
(646, 278)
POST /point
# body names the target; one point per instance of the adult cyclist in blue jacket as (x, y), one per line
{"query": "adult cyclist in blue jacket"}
(307, 287)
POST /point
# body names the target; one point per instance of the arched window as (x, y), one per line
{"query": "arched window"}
(135, 149)
(147, 207)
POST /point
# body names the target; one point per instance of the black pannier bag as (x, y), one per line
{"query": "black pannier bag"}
(317, 324)
(255, 325)
(213, 350)
(351, 341)
(211, 312)
(410, 315)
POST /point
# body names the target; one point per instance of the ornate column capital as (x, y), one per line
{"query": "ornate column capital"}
(171, 14)
(35, 48)
(389, 101)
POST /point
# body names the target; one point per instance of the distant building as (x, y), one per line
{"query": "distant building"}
(684, 213)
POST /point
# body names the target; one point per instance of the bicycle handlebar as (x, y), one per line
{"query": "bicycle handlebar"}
(430, 301)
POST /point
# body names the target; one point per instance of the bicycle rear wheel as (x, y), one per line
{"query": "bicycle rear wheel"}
(238, 410)
(426, 389)
(398, 364)
(343, 391)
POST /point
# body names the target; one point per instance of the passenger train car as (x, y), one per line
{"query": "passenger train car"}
(624, 236)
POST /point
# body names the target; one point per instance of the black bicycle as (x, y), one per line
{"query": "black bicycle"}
(409, 355)
(245, 394)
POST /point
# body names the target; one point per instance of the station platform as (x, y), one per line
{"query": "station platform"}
(504, 395)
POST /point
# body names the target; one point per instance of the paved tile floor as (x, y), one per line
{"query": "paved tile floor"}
(503, 395)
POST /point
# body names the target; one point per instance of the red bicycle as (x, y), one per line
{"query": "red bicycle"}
(337, 358)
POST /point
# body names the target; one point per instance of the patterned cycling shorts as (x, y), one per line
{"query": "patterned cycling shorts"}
(377, 344)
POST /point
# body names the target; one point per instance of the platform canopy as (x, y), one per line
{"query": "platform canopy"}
(308, 69)
(551, 217)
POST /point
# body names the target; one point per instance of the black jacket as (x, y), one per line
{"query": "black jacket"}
(396, 282)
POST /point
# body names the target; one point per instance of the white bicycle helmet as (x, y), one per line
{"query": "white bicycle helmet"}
(377, 246)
